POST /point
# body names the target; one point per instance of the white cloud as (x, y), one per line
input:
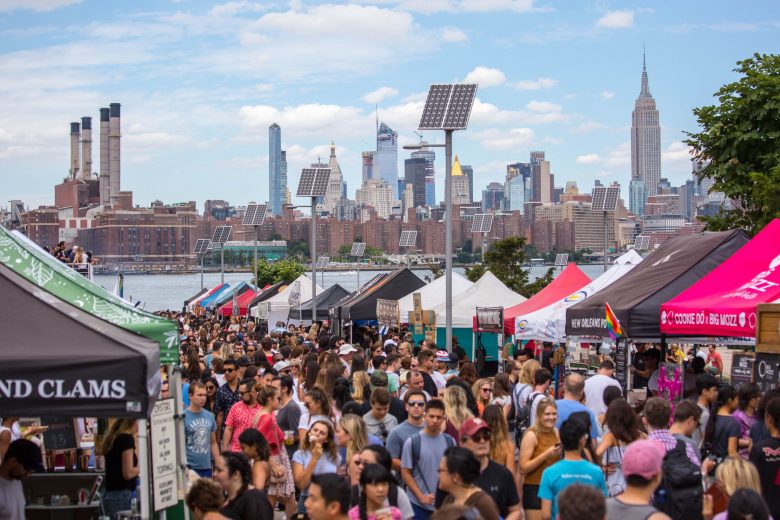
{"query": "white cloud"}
(474, 6)
(543, 106)
(620, 156)
(607, 94)
(380, 95)
(585, 128)
(453, 35)
(677, 157)
(35, 5)
(309, 120)
(233, 8)
(486, 77)
(616, 20)
(513, 139)
(590, 158)
(535, 84)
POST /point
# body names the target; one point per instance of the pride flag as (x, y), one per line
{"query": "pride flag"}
(613, 325)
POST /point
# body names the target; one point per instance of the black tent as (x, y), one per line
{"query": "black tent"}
(324, 300)
(391, 286)
(58, 358)
(268, 292)
(636, 298)
(199, 293)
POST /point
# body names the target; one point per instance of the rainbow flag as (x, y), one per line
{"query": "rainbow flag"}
(613, 325)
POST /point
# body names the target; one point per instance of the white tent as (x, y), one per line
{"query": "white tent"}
(434, 293)
(549, 323)
(488, 291)
(277, 308)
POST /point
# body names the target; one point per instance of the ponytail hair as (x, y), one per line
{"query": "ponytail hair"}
(725, 394)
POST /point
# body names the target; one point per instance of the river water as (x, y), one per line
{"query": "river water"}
(168, 291)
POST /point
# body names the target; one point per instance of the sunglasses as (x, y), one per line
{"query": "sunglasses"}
(245, 392)
(480, 437)
(419, 404)
(487, 389)
(209, 387)
(229, 370)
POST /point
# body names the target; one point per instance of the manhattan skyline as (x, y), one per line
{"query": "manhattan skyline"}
(200, 83)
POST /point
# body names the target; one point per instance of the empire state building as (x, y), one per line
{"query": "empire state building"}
(645, 148)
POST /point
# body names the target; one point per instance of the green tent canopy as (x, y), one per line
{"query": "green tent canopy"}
(26, 258)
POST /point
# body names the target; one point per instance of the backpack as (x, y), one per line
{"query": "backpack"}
(416, 447)
(680, 494)
(523, 416)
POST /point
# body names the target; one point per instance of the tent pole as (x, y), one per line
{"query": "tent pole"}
(143, 464)
(177, 391)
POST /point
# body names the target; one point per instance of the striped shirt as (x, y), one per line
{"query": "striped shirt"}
(670, 442)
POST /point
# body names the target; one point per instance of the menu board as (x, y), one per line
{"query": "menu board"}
(766, 372)
(61, 434)
(621, 364)
(741, 369)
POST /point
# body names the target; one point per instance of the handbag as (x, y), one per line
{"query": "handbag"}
(280, 459)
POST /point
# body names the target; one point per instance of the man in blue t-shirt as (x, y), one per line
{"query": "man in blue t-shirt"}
(200, 431)
(572, 469)
(414, 423)
(573, 395)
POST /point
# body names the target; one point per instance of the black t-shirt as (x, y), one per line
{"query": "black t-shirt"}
(114, 479)
(766, 456)
(638, 362)
(429, 385)
(252, 504)
(497, 482)
(725, 428)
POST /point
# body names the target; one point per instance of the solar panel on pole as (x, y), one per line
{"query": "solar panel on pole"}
(435, 107)
(408, 238)
(611, 198)
(255, 215)
(561, 259)
(323, 261)
(482, 223)
(459, 109)
(202, 245)
(221, 234)
(599, 197)
(358, 249)
(448, 106)
(321, 179)
(306, 182)
(642, 243)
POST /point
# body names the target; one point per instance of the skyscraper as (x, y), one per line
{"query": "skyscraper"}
(368, 165)
(386, 158)
(460, 185)
(335, 188)
(430, 174)
(541, 179)
(415, 178)
(468, 172)
(276, 187)
(645, 147)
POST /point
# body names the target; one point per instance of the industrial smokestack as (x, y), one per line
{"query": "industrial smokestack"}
(105, 188)
(86, 148)
(113, 152)
(75, 134)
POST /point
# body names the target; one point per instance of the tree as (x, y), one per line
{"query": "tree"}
(286, 270)
(740, 138)
(298, 248)
(505, 260)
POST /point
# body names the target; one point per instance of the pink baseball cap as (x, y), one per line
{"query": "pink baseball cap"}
(643, 458)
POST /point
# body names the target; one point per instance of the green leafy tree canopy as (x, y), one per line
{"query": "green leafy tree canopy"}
(285, 270)
(505, 260)
(740, 137)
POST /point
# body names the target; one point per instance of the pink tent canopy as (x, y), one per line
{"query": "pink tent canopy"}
(243, 302)
(570, 280)
(723, 303)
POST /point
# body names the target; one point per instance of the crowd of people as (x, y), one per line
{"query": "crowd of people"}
(300, 422)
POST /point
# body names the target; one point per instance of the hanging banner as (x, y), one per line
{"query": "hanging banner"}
(294, 299)
(388, 312)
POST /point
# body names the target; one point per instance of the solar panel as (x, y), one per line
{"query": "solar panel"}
(435, 107)
(321, 179)
(202, 245)
(255, 215)
(323, 261)
(358, 249)
(605, 198)
(642, 243)
(482, 223)
(408, 238)
(221, 234)
(307, 182)
(448, 106)
(561, 259)
(459, 109)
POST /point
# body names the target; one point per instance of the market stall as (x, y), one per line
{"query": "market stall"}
(195, 302)
(242, 302)
(209, 302)
(277, 307)
(324, 300)
(267, 292)
(434, 293)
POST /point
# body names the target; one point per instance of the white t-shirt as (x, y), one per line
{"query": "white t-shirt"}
(11, 499)
(652, 383)
(594, 392)
(438, 378)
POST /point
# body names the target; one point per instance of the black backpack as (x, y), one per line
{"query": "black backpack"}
(680, 494)
(522, 414)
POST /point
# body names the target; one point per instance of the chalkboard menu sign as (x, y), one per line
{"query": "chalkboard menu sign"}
(741, 369)
(621, 364)
(61, 434)
(767, 371)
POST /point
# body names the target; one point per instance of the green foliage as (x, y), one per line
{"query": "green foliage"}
(741, 138)
(505, 260)
(286, 270)
(437, 271)
(298, 249)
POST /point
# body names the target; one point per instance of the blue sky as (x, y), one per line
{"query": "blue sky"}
(199, 83)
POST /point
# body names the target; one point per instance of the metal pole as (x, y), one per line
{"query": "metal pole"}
(222, 264)
(605, 241)
(143, 465)
(448, 233)
(358, 274)
(313, 248)
(255, 269)
(201, 271)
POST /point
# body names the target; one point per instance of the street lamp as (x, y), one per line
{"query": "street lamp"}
(201, 247)
(221, 235)
(448, 108)
(255, 217)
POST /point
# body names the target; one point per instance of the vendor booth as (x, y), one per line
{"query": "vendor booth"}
(226, 297)
(488, 291)
(210, 301)
(324, 300)
(195, 302)
(723, 303)
(242, 302)
(267, 292)
(277, 307)
(433, 294)
(549, 323)
(203, 292)
(569, 280)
